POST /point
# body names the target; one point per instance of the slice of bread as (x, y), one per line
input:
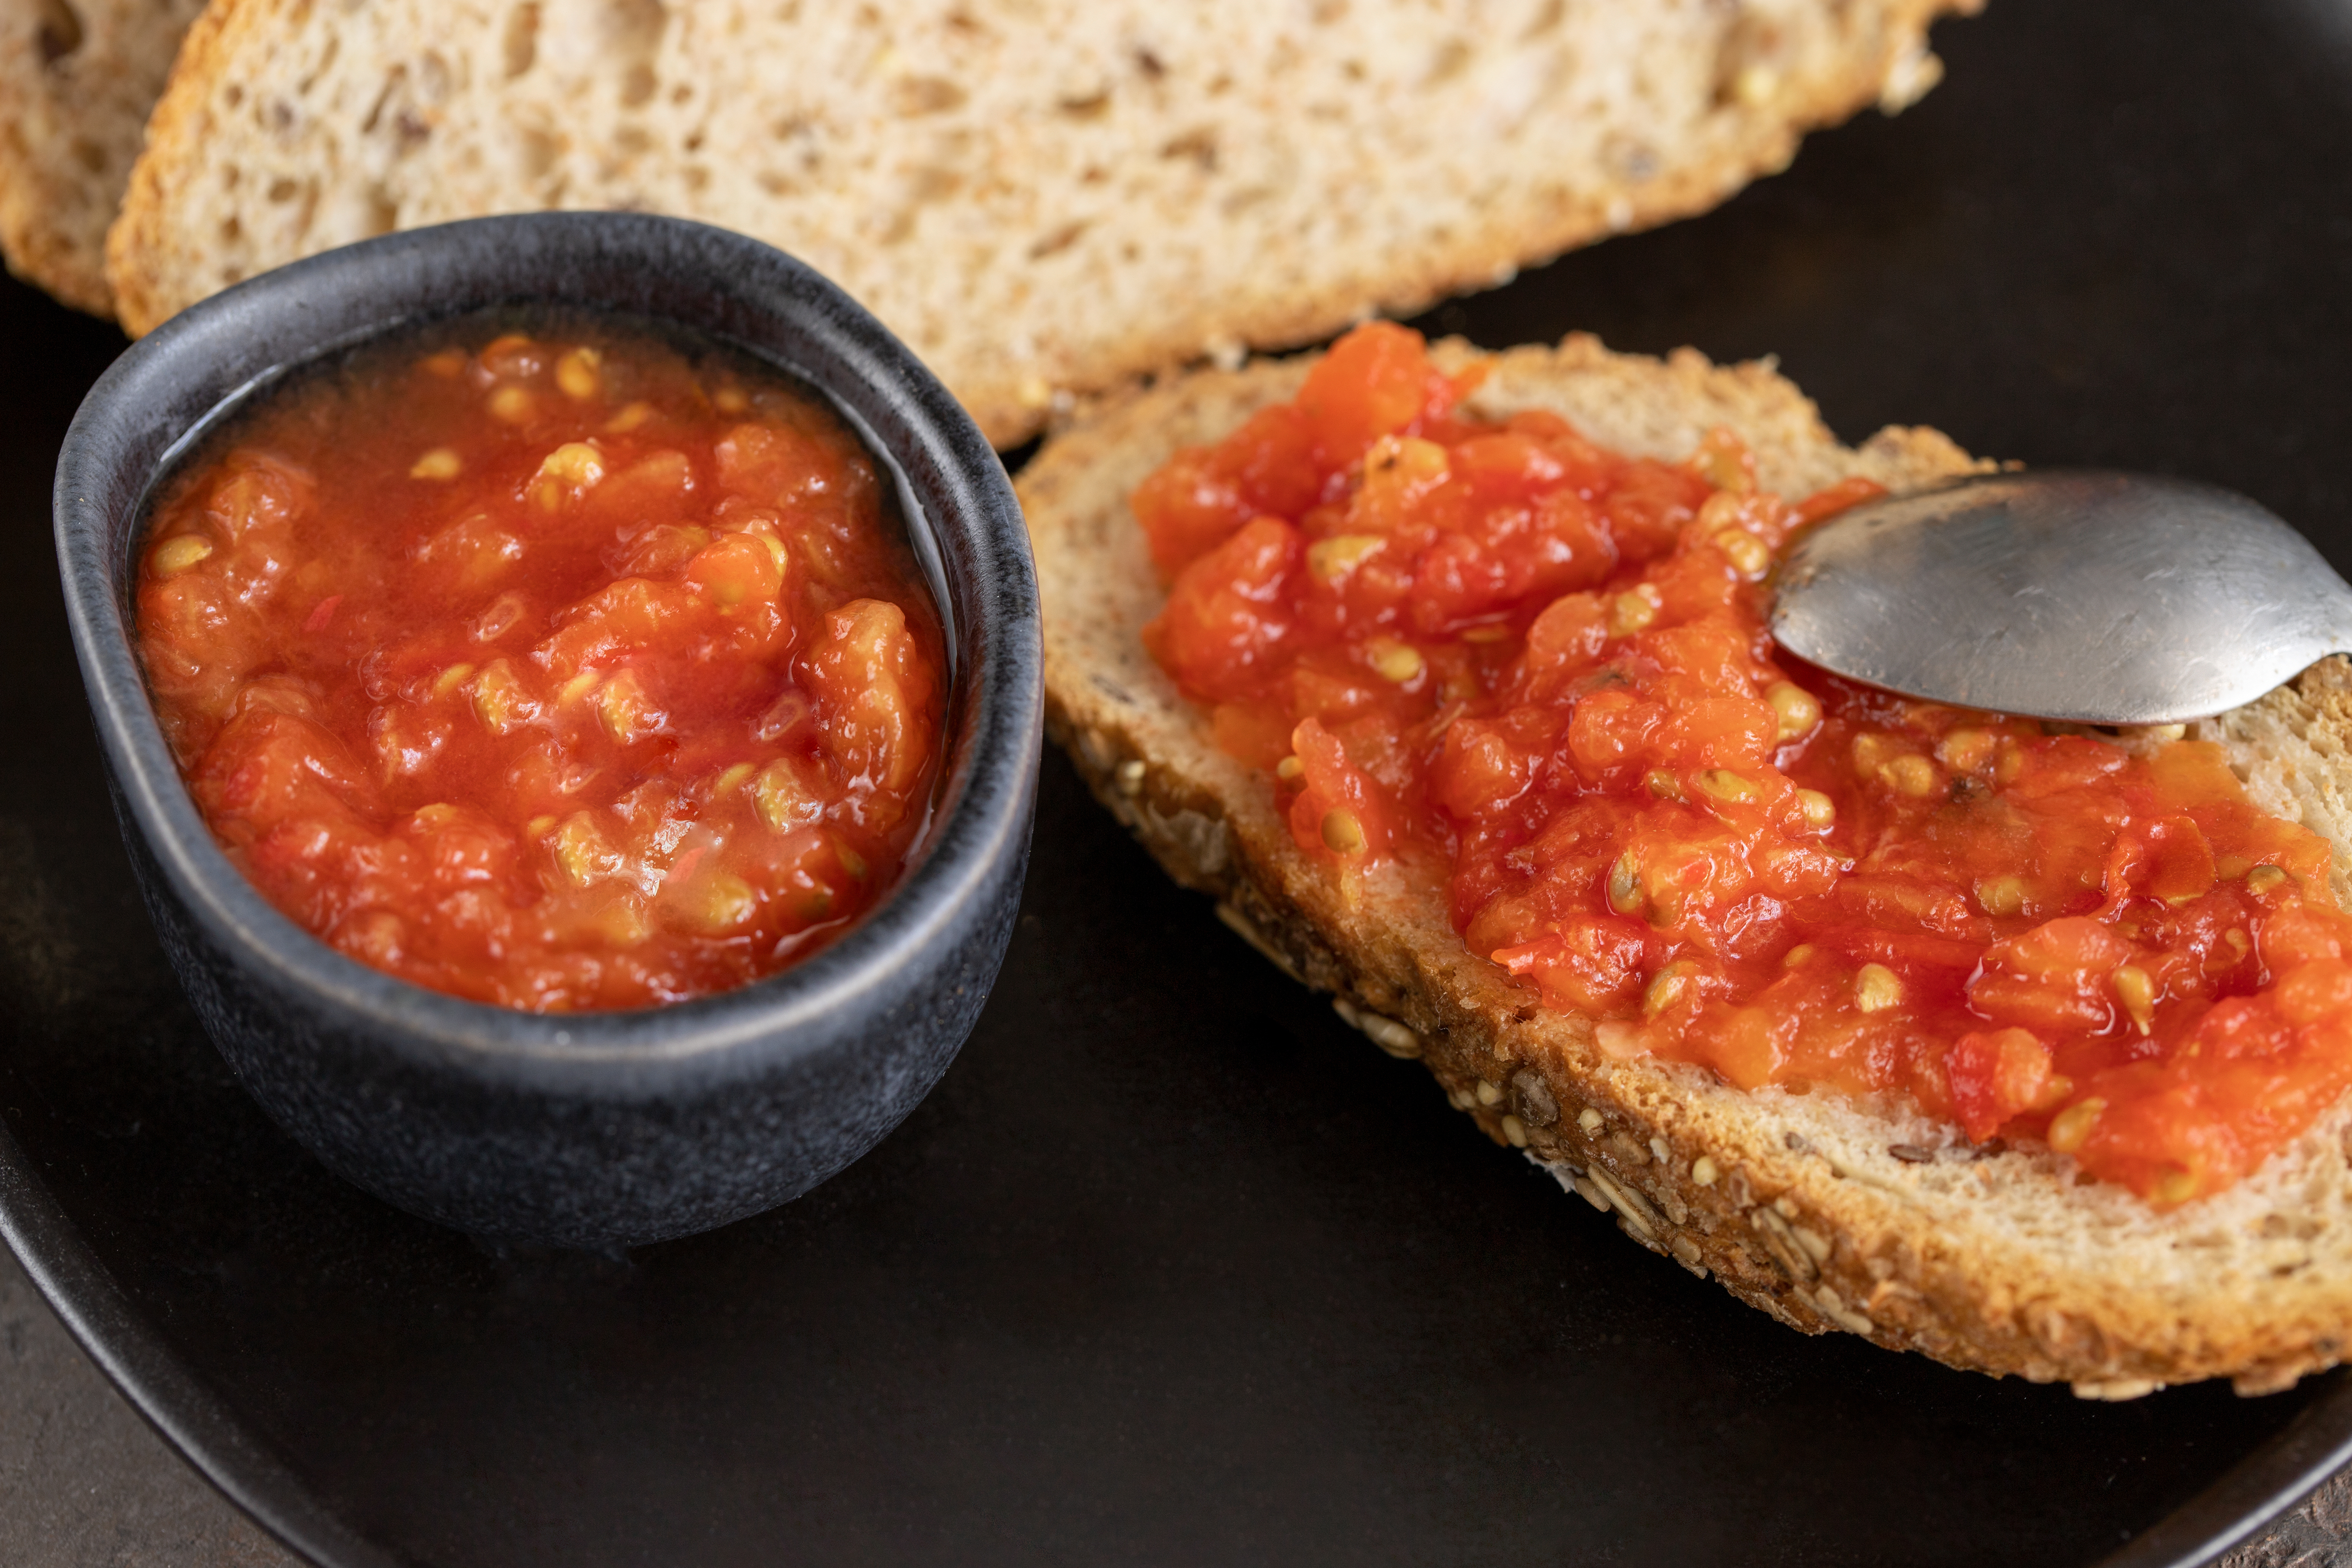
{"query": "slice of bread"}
(1043, 196)
(76, 80)
(1800, 1204)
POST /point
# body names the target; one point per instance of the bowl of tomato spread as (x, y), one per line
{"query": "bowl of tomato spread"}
(1539, 670)
(571, 684)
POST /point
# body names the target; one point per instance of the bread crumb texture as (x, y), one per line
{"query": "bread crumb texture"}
(76, 80)
(1831, 1214)
(1043, 196)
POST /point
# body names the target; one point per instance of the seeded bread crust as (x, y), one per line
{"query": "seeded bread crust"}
(1043, 197)
(76, 80)
(1830, 1213)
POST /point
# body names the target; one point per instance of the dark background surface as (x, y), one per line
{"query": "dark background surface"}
(1174, 1268)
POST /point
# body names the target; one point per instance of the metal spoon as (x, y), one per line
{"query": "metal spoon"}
(2103, 598)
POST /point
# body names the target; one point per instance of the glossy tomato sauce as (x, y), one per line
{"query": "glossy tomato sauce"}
(1542, 668)
(562, 670)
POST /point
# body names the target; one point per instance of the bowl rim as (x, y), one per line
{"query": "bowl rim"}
(910, 423)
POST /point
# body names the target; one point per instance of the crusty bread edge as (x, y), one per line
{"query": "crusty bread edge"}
(1821, 1241)
(180, 118)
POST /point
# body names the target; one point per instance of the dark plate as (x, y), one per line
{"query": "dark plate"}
(1173, 1267)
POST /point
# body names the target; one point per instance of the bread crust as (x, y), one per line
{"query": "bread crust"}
(1996, 1260)
(188, 225)
(178, 124)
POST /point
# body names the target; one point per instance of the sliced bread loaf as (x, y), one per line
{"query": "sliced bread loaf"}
(76, 80)
(1042, 197)
(1798, 1203)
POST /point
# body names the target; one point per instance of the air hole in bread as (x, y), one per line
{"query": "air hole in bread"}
(1743, 71)
(918, 95)
(633, 33)
(1447, 63)
(931, 183)
(802, 133)
(383, 214)
(391, 83)
(1060, 239)
(537, 151)
(923, 187)
(521, 44)
(61, 31)
(1199, 145)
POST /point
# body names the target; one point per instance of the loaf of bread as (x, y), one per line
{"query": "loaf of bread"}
(1993, 1259)
(76, 80)
(1043, 199)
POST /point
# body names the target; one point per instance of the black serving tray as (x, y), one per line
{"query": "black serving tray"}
(1174, 1268)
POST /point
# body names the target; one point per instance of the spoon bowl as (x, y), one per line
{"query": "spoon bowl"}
(2098, 597)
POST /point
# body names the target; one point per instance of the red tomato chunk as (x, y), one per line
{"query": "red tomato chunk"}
(557, 675)
(1541, 667)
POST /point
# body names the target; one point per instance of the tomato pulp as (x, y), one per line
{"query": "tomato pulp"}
(558, 673)
(1542, 668)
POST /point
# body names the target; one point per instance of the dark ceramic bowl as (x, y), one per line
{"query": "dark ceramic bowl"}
(605, 1128)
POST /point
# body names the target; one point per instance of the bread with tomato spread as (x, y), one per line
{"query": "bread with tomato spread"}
(1041, 199)
(77, 80)
(1832, 1213)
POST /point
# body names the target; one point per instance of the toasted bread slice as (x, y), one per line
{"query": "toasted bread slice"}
(1039, 197)
(76, 80)
(1828, 1212)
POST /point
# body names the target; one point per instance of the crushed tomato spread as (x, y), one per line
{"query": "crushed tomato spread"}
(1543, 667)
(565, 674)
